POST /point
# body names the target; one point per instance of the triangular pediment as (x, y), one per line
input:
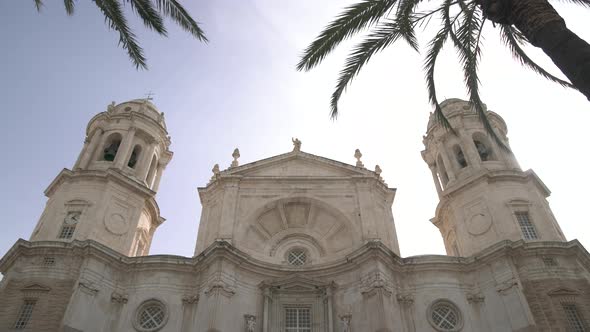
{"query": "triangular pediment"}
(35, 288)
(298, 164)
(297, 283)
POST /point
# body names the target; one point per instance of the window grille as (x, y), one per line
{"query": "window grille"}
(573, 318)
(48, 261)
(297, 257)
(24, 316)
(298, 320)
(151, 316)
(549, 261)
(67, 231)
(445, 317)
(527, 228)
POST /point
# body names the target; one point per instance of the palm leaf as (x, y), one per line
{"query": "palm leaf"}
(382, 36)
(585, 3)
(434, 48)
(178, 14)
(150, 16)
(116, 20)
(469, 35)
(38, 4)
(512, 41)
(405, 18)
(354, 18)
(69, 4)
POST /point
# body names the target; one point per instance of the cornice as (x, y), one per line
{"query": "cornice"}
(223, 250)
(105, 176)
(490, 177)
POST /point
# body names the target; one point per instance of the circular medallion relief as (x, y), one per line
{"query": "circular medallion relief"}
(116, 224)
(479, 223)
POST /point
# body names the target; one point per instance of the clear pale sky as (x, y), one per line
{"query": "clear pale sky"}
(242, 90)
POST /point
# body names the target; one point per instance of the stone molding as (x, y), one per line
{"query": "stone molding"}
(373, 249)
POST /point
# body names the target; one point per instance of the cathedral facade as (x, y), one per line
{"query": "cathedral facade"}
(294, 243)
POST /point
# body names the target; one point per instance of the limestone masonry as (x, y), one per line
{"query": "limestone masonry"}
(294, 243)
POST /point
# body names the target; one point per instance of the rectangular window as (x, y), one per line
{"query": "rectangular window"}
(298, 320)
(527, 228)
(67, 231)
(573, 318)
(24, 316)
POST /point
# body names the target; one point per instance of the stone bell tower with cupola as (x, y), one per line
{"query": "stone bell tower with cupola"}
(484, 195)
(109, 196)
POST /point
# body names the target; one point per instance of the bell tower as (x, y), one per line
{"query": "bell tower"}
(484, 195)
(109, 196)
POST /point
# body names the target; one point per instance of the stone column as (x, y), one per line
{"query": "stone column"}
(329, 305)
(228, 212)
(447, 162)
(470, 151)
(89, 149)
(159, 172)
(125, 148)
(436, 180)
(265, 318)
(145, 161)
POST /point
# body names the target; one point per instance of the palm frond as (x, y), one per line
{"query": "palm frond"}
(434, 48)
(150, 16)
(585, 3)
(69, 4)
(469, 34)
(116, 20)
(405, 18)
(38, 5)
(382, 36)
(178, 14)
(354, 18)
(511, 40)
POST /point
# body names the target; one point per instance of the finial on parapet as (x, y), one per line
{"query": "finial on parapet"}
(236, 155)
(378, 171)
(296, 144)
(111, 107)
(215, 171)
(358, 155)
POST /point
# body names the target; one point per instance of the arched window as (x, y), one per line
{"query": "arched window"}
(134, 156)
(460, 156)
(111, 147)
(482, 146)
(442, 172)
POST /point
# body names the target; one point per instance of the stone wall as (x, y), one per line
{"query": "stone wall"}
(546, 297)
(52, 297)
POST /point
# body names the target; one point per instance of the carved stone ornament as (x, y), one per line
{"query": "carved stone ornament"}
(190, 299)
(405, 299)
(111, 107)
(250, 321)
(345, 322)
(119, 298)
(358, 155)
(87, 287)
(475, 298)
(375, 283)
(220, 288)
(504, 287)
(296, 144)
(235, 155)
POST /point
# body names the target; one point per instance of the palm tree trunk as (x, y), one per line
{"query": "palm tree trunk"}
(545, 28)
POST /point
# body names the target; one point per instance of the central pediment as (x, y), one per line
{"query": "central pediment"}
(298, 164)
